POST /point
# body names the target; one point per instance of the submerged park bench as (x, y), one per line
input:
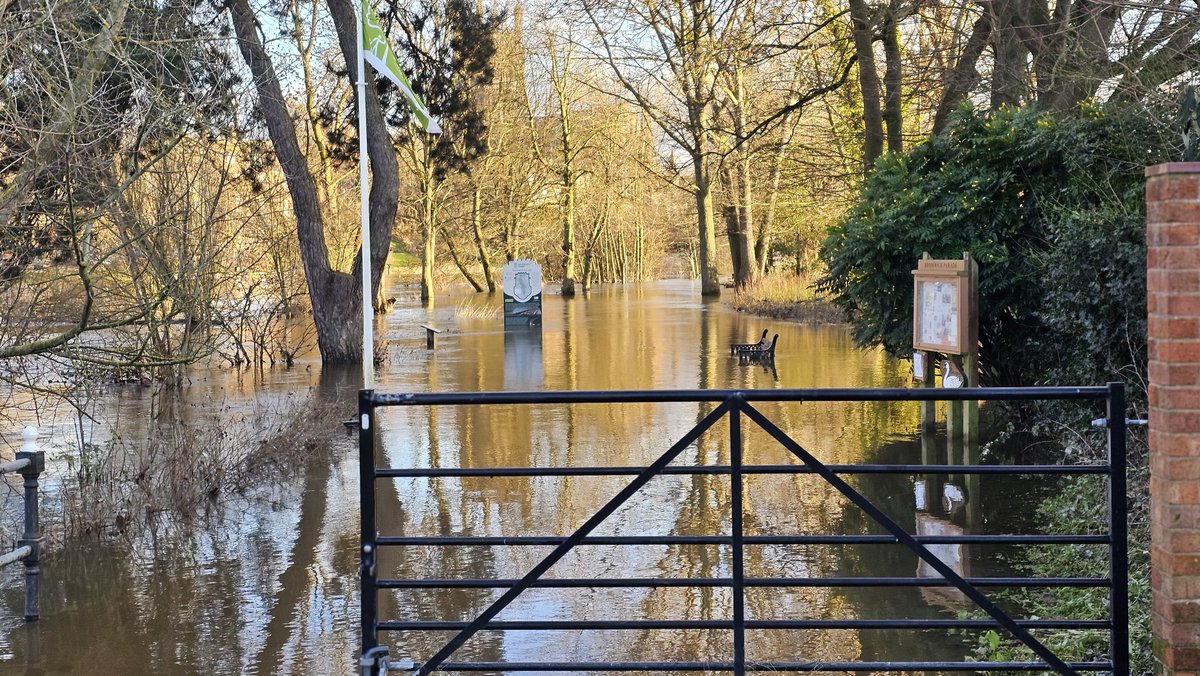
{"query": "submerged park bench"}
(762, 350)
(759, 352)
(734, 348)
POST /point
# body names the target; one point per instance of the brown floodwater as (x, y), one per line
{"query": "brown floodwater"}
(267, 583)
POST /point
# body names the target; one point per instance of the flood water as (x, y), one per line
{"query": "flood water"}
(267, 584)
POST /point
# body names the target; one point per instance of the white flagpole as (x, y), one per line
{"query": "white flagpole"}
(368, 310)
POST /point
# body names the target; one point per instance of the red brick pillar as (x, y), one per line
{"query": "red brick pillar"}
(1173, 304)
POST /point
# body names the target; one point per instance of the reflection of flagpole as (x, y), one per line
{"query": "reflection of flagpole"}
(368, 310)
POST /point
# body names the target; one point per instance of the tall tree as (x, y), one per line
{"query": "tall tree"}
(573, 138)
(570, 145)
(766, 82)
(335, 295)
(863, 20)
(665, 58)
(881, 97)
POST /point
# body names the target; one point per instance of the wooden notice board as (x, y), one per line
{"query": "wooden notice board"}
(942, 312)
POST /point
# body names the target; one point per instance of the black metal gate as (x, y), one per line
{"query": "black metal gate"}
(738, 406)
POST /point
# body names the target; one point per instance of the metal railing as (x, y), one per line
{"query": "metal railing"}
(29, 463)
(738, 407)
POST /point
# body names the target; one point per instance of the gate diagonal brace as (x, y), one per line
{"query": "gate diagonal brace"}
(907, 539)
(654, 469)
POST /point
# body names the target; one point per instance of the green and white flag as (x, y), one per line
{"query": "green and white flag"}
(378, 52)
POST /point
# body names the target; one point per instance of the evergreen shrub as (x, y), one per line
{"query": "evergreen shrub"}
(1052, 210)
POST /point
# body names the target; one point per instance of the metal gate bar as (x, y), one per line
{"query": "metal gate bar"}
(857, 581)
(739, 566)
(532, 625)
(735, 403)
(1118, 529)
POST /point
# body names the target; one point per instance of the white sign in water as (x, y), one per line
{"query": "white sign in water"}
(522, 282)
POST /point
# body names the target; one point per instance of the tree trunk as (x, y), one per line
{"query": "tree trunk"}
(428, 223)
(868, 80)
(964, 75)
(332, 294)
(710, 283)
(585, 279)
(737, 242)
(892, 116)
(1074, 60)
(741, 230)
(1009, 77)
(733, 215)
(568, 239)
(511, 229)
(485, 257)
(458, 262)
(559, 74)
(589, 251)
(639, 230)
(745, 221)
(624, 240)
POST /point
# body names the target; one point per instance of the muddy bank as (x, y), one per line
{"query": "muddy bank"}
(816, 311)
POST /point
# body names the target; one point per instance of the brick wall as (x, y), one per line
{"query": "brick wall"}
(1173, 304)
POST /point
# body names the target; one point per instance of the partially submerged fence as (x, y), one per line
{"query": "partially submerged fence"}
(29, 463)
(738, 407)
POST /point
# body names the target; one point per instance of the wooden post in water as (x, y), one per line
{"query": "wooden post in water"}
(955, 433)
(923, 371)
(970, 357)
(952, 377)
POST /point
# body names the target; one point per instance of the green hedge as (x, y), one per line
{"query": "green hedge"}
(1052, 210)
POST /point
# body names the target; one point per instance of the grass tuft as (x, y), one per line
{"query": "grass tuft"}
(470, 310)
(787, 296)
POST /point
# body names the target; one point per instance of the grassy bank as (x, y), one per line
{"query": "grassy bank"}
(1081, 507)
(789, 297)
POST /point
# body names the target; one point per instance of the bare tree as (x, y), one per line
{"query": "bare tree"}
(665, 59)
(334, 295)
(565, 110)
(125, 91)
(766, 83)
